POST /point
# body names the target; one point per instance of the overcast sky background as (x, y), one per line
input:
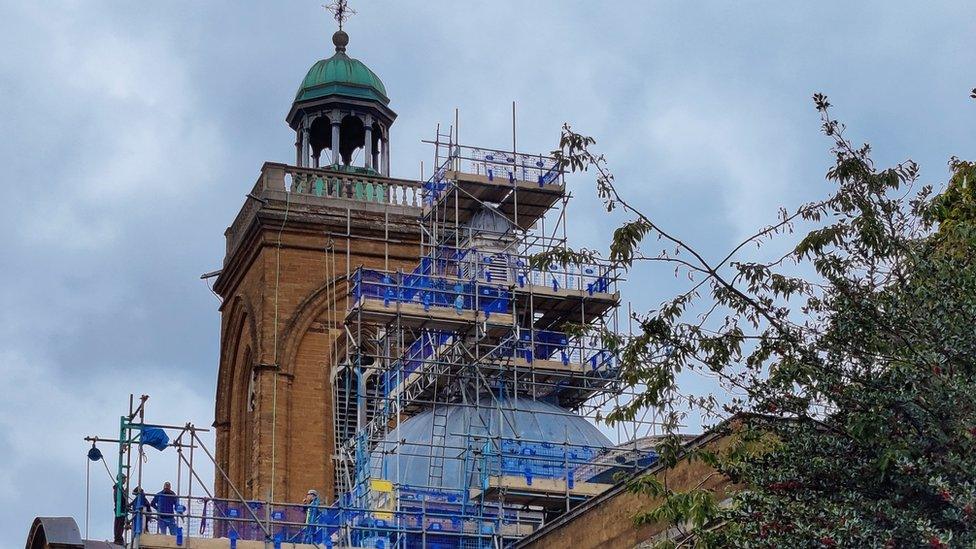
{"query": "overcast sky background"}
(131, 131)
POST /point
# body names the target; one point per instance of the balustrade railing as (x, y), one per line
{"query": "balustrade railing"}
(363, 187)
(323, 183)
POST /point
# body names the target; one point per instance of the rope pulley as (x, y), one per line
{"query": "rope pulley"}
(94, 453)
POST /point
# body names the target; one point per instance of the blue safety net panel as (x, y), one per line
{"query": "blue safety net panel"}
(493, 299)
(430, 291)
(437, 518)
(599, 359)
(543, 459)
(600, 285)
(421, 350)
(232, 518)
(549, 176)
(541, 344)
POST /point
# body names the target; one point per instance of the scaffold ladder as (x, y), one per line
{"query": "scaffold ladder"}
(438, 438)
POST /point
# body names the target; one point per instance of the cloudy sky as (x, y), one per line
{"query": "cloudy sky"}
(131, 131)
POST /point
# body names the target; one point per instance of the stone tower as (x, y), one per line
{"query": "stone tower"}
(301, 230)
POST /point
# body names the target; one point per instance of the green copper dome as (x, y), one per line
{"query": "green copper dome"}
(342, 75)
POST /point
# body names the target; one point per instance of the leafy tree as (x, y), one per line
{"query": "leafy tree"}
(863, 371)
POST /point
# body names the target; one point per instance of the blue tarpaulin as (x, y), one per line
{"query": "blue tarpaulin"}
(155, 437)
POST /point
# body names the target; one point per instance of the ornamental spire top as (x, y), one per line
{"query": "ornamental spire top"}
(340, 12)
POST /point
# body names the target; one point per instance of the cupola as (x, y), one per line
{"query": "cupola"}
(341, 115)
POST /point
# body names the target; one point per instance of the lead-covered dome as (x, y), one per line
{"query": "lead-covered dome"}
(520, 425)
(341, 75)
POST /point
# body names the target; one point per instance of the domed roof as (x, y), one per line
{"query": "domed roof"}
(341, 75)
(522, 419)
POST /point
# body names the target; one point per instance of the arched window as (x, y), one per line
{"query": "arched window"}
(252, 395)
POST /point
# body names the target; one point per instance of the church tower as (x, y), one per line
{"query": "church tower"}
(301, 231)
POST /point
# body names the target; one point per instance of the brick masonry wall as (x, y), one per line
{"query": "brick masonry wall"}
(609, 522)
(291, 364)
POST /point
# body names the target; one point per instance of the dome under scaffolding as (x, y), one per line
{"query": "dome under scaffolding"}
(540, 438)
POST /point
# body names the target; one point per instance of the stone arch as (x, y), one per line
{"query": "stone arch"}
(308, 311)
(305, 422)
(320, 137)
(240, 316)
(352, 136)
(235, 442)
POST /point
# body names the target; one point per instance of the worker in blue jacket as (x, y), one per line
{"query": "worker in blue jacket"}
(164, 503)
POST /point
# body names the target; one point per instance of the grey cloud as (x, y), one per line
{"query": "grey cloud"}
(131, 132)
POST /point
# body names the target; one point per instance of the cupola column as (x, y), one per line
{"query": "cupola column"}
(336, 121)
(386, 156)
(306, 144)
(298, 148)
(311, 150)
(368, 144)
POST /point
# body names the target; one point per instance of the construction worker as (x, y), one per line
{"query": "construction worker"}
(141, 510)
(312, 513)
(165, 503)
(119, 495)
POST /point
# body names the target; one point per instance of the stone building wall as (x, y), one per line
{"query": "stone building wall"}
(275, 384)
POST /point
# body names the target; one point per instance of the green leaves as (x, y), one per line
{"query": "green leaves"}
(626, 240)
(862, 360)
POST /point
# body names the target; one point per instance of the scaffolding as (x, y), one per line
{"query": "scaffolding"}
(194, 510)
(465, 389)
(464, 403)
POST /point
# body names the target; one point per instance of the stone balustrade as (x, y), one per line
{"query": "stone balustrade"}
(328, 183)
(322, 183)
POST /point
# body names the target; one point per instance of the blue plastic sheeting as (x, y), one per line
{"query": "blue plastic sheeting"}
(547, 343)
(155, 437)
(542, 460)
(430, 291)
(600, 285)
(530, 420)
(420, 350)
(233, 517)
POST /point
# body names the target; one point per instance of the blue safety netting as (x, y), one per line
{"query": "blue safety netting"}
(600, 285)
(232, 518)
(430, 291)
(434, 518)
(419, 351)
(542, 344)
(543, 460)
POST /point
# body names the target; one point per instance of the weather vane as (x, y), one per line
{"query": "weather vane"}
(340, 11)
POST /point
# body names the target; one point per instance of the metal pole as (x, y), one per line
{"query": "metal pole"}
(231, 484)
(189, 491)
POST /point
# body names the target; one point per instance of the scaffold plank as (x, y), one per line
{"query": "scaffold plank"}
(415, 315)
(541, 491)
(474, 190)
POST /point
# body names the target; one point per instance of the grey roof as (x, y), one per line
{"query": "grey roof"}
(53, 531)
(61, 533)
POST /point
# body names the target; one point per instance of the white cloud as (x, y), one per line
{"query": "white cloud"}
(42, 423)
